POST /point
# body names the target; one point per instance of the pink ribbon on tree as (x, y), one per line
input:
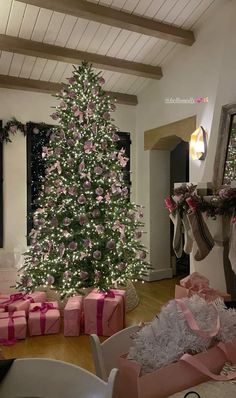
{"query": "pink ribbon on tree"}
(43, 309)
(11, 329)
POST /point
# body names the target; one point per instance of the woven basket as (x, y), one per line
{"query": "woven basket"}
(132, 299)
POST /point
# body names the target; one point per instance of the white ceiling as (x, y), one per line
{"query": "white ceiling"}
(30, 22)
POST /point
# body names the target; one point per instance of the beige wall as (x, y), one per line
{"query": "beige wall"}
(206, 69)
(26, 106)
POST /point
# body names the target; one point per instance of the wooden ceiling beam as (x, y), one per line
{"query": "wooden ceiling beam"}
(120, 19)
(56, 53)
(18, 83)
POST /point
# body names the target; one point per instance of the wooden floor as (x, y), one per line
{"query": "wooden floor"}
(76, 350)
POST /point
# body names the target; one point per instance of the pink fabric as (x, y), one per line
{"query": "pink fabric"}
(181, 374)
(44, 318)
(104, 314)
(12, 326)
(198, 284)
(21, 301)
(193, 324)
(72, 316)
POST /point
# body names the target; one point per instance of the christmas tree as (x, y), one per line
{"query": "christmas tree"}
(86, 231)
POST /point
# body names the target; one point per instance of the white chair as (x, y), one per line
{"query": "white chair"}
(49, 378)
(106, 354)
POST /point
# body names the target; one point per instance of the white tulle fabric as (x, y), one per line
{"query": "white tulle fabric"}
(168, 336)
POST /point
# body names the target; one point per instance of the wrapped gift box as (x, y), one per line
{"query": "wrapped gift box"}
(72, 316)
(104, 313)
(175, 377)
(44, 318)
(21, 301)
(198, 284)
(13, 325)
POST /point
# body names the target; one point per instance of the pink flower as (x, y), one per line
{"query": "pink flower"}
(88, 147)
(106, 116)
(99, 191)
(50, 279)
(100, 229)
(142, 255)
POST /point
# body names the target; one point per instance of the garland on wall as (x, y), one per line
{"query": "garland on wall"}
(13, 126)
(186, 199)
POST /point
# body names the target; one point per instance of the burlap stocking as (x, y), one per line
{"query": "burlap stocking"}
(232, 244)
(188, 241)
(178, 238)
(201, 235)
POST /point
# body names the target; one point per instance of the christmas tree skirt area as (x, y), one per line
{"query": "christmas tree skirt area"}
(131, 301)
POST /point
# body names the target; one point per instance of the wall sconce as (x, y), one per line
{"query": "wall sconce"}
(198, 144)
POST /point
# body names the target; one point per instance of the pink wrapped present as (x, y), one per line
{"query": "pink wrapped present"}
(12, 327)
(2, 310)
(104, 313)
(44, 318)
(187, 372)
(72, 316)
(198, 284)
(21, 301)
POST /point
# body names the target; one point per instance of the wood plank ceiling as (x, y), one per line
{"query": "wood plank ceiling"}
(30, 22)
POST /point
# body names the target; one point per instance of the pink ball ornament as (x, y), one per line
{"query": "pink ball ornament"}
(81, 199)
(106, 116)
(35, 130)
(99, 191)
(96, 213)
(142, 255)
(101, 81)
(83, 275)
(97, 255)
(98, 170)
(67, 221)
(82, 219)
(67, 274)
(50, 280)
(111, 244)
(73, 245)
(87, 185)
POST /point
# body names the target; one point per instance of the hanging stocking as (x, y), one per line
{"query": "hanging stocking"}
(178, 237)
(201, 235)
(232, 244)
(188, 241)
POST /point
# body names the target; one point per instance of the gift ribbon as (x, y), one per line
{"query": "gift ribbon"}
(15, 297)
(100, 307)
(196, 364)
(188, 315)
(11, 330)
(43, 309)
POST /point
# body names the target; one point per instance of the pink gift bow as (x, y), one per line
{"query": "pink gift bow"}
(198, 284)
(15, 297)
(43, 309)
(11, 331)
(188, 315)
(100, 306)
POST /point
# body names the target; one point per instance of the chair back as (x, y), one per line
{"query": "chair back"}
(49, 378)
(106, 354)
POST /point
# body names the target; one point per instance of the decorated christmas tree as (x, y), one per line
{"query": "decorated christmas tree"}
(86, 231)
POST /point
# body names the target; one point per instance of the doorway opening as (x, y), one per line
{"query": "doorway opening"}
(179, 172)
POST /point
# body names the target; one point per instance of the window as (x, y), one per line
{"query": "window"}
(37, 137)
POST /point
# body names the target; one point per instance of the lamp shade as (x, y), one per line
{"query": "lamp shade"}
(198, 144)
